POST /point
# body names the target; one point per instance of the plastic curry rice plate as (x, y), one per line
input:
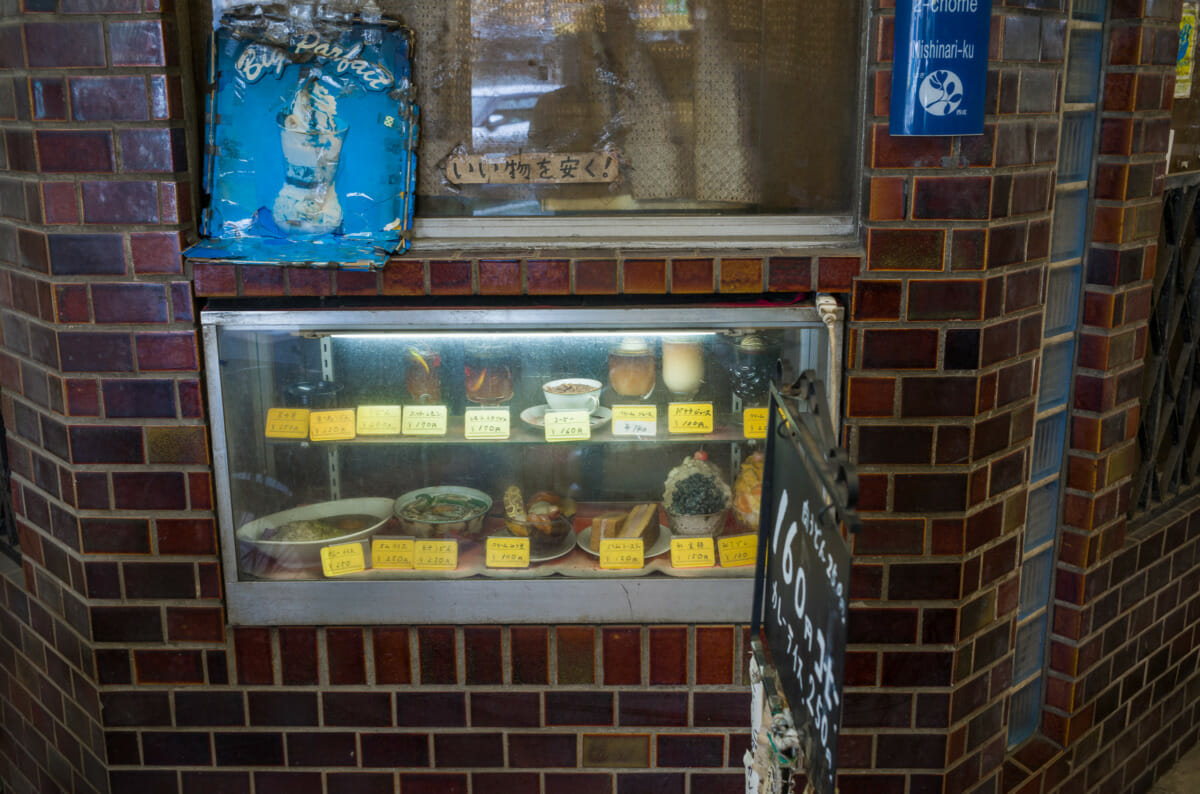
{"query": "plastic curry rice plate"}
(295, 537)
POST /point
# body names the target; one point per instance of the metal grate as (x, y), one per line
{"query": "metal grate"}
(1169, 436)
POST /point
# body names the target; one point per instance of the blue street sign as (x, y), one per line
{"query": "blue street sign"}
(939, 69)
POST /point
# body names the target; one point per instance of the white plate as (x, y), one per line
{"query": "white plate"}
(658, 547)
(308, 552)
(536, 416)
(565, 548)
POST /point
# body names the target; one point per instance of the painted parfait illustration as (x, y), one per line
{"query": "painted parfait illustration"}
(311, 135)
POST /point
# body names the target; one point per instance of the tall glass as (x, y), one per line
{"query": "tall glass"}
(631, 369)
(488, 375)
(682, 365)
(422, 375)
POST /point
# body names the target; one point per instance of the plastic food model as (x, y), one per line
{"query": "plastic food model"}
(696, 498)
(747, 491)
(545, 520)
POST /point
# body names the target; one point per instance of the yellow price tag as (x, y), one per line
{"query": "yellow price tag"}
(738, 550)
(486, 423)
(424, 420)
(508, 552)
(634, 420)
(754, 422)
(622, 553)
(392, 553)
(343, 558)
(331, 425)
(287, 423)
(692, 553)
(435, 555)
(568, 426)
(378, 420)
(690, 418)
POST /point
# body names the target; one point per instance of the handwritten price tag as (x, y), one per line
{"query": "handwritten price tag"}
(331, 425)
(343, 558)
(634, 420)
(568, 426)
(287, 423)
(692, 553)
(754, 422)
(392, 553)
(486, 423)
(738, 550)
(435, 555)
(424, 420)
(690, 418)
(508, 552)
(621, 553)
(378, 420)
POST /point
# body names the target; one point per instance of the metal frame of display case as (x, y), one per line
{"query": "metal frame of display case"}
(553, 599)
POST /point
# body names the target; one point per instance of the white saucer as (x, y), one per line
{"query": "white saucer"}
(536, 416)
(658, 547)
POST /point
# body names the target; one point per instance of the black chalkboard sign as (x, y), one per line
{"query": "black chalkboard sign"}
(804, 565)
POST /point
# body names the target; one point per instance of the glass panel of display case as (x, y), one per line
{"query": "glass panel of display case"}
(377, 450)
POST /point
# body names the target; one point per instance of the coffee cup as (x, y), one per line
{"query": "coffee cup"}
(573, 394)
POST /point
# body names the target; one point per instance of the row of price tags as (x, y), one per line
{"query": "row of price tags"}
(400, 554)
(493, 423)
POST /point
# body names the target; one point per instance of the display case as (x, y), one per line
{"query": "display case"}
(507, 464)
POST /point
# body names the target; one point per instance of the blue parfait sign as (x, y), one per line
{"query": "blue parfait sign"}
(939, 68)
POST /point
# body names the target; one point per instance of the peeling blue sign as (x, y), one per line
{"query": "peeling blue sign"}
(939, 68)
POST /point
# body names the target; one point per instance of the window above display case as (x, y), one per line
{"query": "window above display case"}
(419, 465)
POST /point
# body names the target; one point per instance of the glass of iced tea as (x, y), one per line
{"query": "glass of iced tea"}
(422, 375)
(488, 375)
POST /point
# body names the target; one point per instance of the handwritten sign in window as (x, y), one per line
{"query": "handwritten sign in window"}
(568, 426)
(535, 168)
(392, 553)
(634, 420)
(435, 555)
(331, 425)
(378, 420)
(342, 559)
(287, 423)
(692, 553)
(508, 552)
(424, 420)
(484, 423)
(738, 550)
(620, 553)
(688, 418)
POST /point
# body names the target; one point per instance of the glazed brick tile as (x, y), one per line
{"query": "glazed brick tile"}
(354, 282)
(968, 249)
(344, 650)
(149, 491)
(110, 98)
(837, 273)
(142, 780)
(129, 303)
(938, 397)
(279, 708)
(298, 655)
(622, 655)
(952, 198)
(888, 198)
(195, 624)
(644, 276)
(741, 275)
(905, 249)
(692, 276)
(714, 655)
(166, 351)
(575, 647)
(215, 280)
(395, 749)
(86, 254)
(877, 300)
(360, 783)
(507, 782)
(104, 581)
(720, 709)
(137, 43)
(651, 783)
(471, 750)
(60, 203)
(579, 708)
(438, 649)
(153, 150)
(440, 783)
(176, 749)
(668, 655)
(106, 444)
(262, 281)
(945, 300)
(690, 750)
(135, 709)
(308, 281)
(530, 647)
(155, 252)
(506, 709)
(120, 202)
(423, 709)
(160, 580)
(248, 749)
(596, 277)
(72, 303)
(126, 624)
(900, 349)
(124, 399)
(195, 782)
(82, 398)
(253, 655)
(450, 278)
(790, 274)
(287, 783)
(168, 667)
(390, 649)
(402, 277)
(578, 783)
(890, 536)
(652, 709)
(483, 654)
(889, 151)
(49, 99)
(59, 45)
(73, 152)
(908, 751)
(184, 445)
(500, 277)
(537, 750)
(548, 276)
(979, 151)
(323, 749)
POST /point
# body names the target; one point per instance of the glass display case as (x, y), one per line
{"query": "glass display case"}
(523, 464)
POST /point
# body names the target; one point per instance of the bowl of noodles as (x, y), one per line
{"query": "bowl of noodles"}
(442, 511)
(295, 537)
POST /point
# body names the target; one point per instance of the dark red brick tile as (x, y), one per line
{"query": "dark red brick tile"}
(262, 280)
(354, 282)
(905, 249)
(344, 650)
(945, 300)
(790, 274)
(499, 277)
(129, 303)
(431, 709)
(130, 709)
(155, 252)
(248, 749)
(741, 275)
(548, 276)
(149, 491)
(595, 277)
(668, 655)
(108, 444)
(253, 654)
(120, 202)
(72, 302)
(508, 782)
(281, 708)
(714, 655)
(360, 783)
(287, 782)
(200, 490)
(888, 199)
(137, 43)
(323, 749)
(943, 396)
(195, 624)
(690, 750)
(175, 749)
(111, 98)
(450, 278)
(390, 647)
(215, 280)
(470, 750)
(538, 750)
(952, 198)
(484, 663)
(721, 709)
(622, 654)
(876, 300)
(644, 276)
(878, 444)
(126, 624)
(60, 203)
(298, 655)
(692, 276)
(891, 536)
(648, 709)
(927, 493)
(85, 254)
(64, 44)
(530, 646)
(576, 654)
(888, 151)
(138, 398)
(194, 782)
(871, 396)
(836, 273)
(167, 351)
(578, 783)
(311, 281)
(506, 709)
(437, 646)
(580, 708)
(74, 152)
(357, 709)
(900, 349)
(168, 667)
(153, 150)
(395, 750)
